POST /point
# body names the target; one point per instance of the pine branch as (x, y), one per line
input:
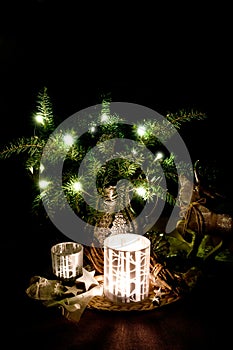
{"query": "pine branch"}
(45, 111)
(31, 146)
(129, 164)
(183, 116)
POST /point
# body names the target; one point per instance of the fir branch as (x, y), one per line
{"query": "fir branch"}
(125, 165)
(76, 153)
(165, 195)
(45, 110)
(183, 116)
(36, 203)
(30, 145)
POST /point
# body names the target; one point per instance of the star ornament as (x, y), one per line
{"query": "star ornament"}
(73, 290)
(87, 278)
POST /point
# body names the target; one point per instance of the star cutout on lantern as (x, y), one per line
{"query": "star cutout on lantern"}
(87, 278)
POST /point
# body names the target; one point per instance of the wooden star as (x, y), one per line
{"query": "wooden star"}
(73, 290)
(87, 278)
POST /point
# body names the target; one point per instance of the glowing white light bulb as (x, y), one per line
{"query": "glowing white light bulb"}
(141, 191)
(159, 155)
(77, 186)
(104, 117)
(141, 130)
(43, 184)
(92, 129)
(68, 139)
(39, 118)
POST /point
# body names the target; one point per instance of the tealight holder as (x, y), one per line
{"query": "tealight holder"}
(126, 267)
(67, 260)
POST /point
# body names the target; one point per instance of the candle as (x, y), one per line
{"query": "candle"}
(67, 260)
(126, 267)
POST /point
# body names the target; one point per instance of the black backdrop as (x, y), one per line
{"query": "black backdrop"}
(163, 60)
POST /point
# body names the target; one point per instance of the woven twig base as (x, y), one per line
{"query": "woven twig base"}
(103, 303)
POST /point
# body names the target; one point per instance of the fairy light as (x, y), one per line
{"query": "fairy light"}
(77, 186)
(43, 184)
(92, 129)
(104, 118)
(141, 130)
(159, 155)
(39, 118)
(141, 191)
(68, 139)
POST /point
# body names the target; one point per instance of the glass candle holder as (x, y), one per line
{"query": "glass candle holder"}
(67, 260)
(126, 267)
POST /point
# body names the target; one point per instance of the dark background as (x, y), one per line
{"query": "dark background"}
(165, 59)
(158, 59)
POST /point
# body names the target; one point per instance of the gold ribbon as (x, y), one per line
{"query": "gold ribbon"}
(192, 208)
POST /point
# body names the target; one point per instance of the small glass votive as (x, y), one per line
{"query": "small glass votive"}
(67, 260)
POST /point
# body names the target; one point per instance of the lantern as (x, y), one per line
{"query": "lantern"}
(126, 267)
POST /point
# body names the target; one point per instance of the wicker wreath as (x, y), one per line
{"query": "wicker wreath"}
(165, 286)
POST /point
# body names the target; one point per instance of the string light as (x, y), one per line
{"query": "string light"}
(141, 130)
(43, 184)
(141, 191)
(68, 139)
(159, 155)
(145, 132)
(77, 186)
(104, 118)
(39, 118)
(92, 129)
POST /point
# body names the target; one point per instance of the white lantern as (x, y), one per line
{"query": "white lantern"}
(67, 260)
(126, 267)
